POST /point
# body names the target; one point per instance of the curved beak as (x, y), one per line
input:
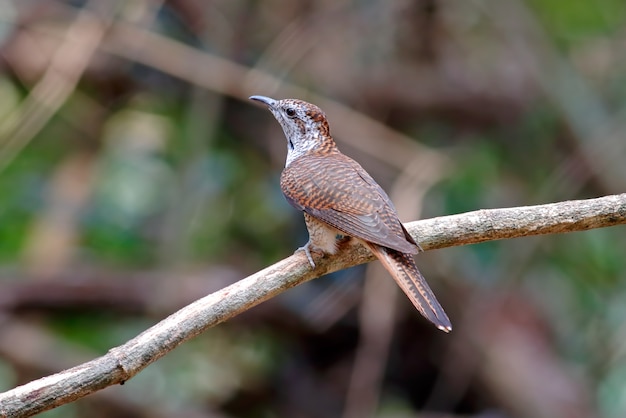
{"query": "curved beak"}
(268, 101)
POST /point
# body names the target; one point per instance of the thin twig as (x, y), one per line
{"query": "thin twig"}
(123, 362)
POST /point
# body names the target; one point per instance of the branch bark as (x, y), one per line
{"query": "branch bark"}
(125, 361)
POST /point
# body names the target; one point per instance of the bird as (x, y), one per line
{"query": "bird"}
(340, 201)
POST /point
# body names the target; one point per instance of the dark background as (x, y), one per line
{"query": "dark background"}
(136, 177)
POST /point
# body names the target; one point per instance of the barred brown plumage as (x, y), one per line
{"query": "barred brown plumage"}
(338, 197)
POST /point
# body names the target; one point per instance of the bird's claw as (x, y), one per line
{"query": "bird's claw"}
(307, 251)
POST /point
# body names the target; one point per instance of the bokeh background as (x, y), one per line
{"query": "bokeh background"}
(136, 177)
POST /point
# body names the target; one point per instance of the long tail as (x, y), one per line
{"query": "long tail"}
(402, 268)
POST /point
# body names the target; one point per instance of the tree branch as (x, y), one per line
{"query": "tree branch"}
(123, 362)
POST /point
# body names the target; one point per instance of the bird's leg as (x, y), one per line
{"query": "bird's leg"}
(323, 238)
(309, 247)
(307, 250)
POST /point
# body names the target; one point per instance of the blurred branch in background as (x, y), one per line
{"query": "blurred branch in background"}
(125, 361)
(64, 70)
(228, 78)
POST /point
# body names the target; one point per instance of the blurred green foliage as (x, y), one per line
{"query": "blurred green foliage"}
(171, 181)
(571, 22)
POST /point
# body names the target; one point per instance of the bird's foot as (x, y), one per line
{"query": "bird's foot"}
(307, 250)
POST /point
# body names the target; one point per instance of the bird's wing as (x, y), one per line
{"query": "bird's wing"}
(337, 190)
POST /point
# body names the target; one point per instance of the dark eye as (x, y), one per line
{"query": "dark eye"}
(291, 112)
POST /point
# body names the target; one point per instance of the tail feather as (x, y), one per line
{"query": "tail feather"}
(402, 268)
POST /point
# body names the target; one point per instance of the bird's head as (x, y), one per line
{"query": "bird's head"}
(304, 125)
